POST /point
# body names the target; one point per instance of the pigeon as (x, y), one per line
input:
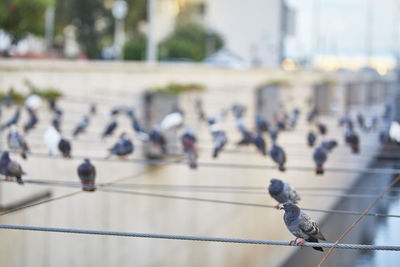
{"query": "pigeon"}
(10, 168)
(282, 192)
(278, 155)
(345, 120)
(17, 142)
(311, 138)
(238, 110)
(320, 156)
(312, 115)
(81, 127)
(87, 175)
(56, 120)
(361, 120)
(394, 131)
(387, 113)
(65, 148)
(8, 99)
(352, 139)
(294, 118)
(220, 140)
(329, 145)
(158, 140)
(273, 135)
(123, 147)
(32, 121)
(247, 138)
(200, 110)
(51, 139)
(188, 142)
(138, 128)
(262, 125)
(13, 120)
(259, 142)
(33, 102)
(93, 109)
(301, 225)
(172, 120)
(322, 128)
(110, 128)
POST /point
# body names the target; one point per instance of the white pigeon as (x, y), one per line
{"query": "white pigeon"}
(51, 139)
(394, 131)
(33, 102)
(172, 120)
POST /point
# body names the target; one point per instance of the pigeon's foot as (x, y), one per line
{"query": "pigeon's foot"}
(302, 241)
(277, 206)
(293, 241)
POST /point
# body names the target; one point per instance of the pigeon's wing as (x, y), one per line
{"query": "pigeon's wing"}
(310, 227)
(14, 168)
(291, 193)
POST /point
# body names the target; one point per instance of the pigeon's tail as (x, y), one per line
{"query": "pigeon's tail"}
(319, 169)
(282, 168)
(215, 154)
(19, 181)
(314, 240)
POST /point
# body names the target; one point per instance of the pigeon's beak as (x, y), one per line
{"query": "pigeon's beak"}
(281, 208)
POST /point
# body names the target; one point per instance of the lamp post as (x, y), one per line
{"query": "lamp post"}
(119, 11)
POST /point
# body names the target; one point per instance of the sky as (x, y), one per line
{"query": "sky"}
(342, 27)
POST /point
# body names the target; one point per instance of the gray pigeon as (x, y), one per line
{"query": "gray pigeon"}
(282, 192)
(320, 156)
(17, 142)
(278, 155)
(301, 225)
(10, 168)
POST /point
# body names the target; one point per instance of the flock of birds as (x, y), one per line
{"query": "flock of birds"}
(298, 222)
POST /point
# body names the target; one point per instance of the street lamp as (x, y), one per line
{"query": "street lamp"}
(119, 11)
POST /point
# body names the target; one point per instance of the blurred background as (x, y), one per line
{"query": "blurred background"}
(178, 105)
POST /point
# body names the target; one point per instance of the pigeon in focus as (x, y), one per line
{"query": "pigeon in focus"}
(123, 147)
(32, 121)
(110, 128)
(189, 147)
(282, 192)
(301, 225)
(65, 148)
(81, 127)
(10, 168)
(87, 175)
(259, 142)
(51, 139)
(13, 120)
(278, 156)
(320, 156)
(311, 138)
(17, 142)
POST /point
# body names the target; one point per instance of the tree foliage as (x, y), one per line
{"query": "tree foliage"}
(20, 17)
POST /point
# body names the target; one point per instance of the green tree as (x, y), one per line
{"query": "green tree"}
(190, 41)
(135, 48)
(20, 17)
(137, 12)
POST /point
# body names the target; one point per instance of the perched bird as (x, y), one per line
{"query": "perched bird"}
(17, 142)
(273, 135)
(259, 142)
(189, 147)
(141, 132)
(56, 120)
(87, 175)
(278, 155)
(262, 125)
(220, 140)
(301, 225)
(158, 140)
(311, 138)
(10, 168)
(320, 156)
(172, 120)
(322, 128)
(247, 138)
(294, 118)
(13, 120)
(123, 147)
(110, 128)
(81, 127)
(32, 121)
(65, 147)
(51, 139)
(352, 139)
(282, 192)
(328, 145)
